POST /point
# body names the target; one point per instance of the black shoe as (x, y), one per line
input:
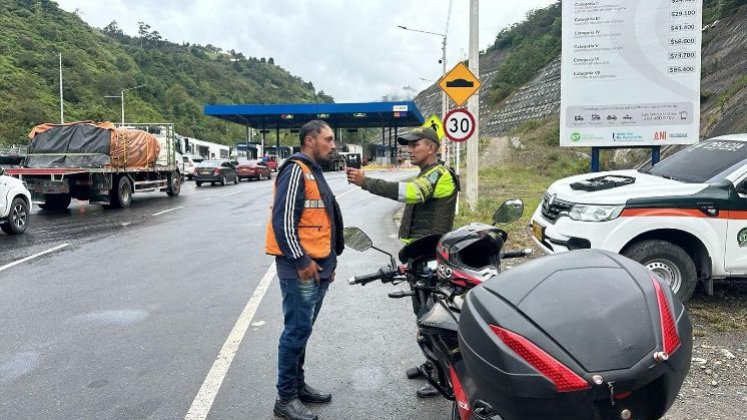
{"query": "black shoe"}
(308, 394)
(293, 410)
(427, 391)
(414, 373)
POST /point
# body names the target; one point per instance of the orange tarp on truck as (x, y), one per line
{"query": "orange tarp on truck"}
(89, 144)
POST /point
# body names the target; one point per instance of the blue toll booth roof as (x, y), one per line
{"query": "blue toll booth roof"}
(351, 115)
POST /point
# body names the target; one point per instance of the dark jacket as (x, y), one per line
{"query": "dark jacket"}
(289, 187)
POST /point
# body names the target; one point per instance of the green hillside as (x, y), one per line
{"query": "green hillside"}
(179, 78)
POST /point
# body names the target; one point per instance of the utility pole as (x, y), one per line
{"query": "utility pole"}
(473, 106)
(121, 99)
(62, 103)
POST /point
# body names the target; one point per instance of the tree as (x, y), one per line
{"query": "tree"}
(142, 29)
(113, 29)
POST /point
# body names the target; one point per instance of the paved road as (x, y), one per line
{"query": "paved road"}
(127, 319)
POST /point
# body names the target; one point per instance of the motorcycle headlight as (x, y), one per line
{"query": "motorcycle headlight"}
(592, 213)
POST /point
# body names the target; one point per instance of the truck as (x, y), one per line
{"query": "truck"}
(685, 219)
(99, 162)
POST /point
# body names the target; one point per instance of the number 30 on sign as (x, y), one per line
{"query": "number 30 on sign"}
(459, 124)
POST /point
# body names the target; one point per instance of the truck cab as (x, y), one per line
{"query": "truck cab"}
(685, 218)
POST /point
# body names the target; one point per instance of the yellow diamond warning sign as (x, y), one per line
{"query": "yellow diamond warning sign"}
(435, 123)
(460, 83)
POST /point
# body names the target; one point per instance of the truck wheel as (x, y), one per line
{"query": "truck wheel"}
(175, 185)
(121, 196)
(668, 261)
(18, 217)
(55, 202)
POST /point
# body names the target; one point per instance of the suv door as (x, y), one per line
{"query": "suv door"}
(736, 234)
(3, 193)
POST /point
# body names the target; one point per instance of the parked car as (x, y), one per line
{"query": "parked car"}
(685, 219)
(15, 204)
(189, 163)
(214, 171)
(251, 169)
(271, 161)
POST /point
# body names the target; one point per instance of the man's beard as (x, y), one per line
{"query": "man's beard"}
(325, 158)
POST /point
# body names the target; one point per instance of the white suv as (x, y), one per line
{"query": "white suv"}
(685, 218)
(15, 205)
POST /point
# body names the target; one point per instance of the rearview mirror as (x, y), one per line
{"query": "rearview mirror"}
(357, 239)
(509, 212)
(741, 187)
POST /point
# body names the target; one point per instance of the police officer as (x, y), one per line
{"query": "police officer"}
(305, 236)
(430, 200)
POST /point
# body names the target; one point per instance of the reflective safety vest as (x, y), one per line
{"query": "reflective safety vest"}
(314, 228)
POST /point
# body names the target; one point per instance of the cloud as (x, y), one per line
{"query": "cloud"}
(353, 50)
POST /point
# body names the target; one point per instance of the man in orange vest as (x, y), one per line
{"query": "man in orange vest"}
(305, 235)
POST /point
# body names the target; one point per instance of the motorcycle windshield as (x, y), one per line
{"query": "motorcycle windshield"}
(424, 247)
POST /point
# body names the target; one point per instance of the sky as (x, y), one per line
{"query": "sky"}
(353, 50)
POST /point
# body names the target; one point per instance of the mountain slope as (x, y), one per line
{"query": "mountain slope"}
(521, 72)
(178, 79)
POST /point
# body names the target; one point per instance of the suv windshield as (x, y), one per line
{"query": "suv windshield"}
(209, 163)
(707, 161)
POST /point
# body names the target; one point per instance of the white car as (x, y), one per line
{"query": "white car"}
(189, 163)
(685, 218)
(15, 205)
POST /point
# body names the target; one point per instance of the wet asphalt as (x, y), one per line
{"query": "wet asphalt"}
(126, 320)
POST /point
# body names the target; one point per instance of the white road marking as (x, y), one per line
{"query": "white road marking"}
(166, 211)
(232, 193)
(209, 390)
(347, 192)
(21, 261)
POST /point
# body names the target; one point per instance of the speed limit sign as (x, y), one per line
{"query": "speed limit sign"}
(459, 124)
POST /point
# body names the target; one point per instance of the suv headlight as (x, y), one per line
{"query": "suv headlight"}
(592, 213)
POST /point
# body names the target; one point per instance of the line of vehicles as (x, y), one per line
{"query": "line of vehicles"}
(106, 164)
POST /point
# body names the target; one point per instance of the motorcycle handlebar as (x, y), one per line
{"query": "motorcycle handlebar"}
(382, 274)
(517, 254)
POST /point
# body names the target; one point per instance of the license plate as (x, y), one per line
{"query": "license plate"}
(538, 231)
(52, 187)
(205, 172)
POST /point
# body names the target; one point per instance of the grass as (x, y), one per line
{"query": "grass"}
(523, 173)
(729, 315)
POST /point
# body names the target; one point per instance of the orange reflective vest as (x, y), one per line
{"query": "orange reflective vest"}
(314, 229)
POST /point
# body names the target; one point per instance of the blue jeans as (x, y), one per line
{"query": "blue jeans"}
(301, 303)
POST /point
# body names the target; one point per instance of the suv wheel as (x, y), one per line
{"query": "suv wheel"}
(668, 261)
(18, 217)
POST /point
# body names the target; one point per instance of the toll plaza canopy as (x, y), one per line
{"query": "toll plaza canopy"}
(348, 115)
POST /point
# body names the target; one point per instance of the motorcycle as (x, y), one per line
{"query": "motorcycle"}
(586, 334)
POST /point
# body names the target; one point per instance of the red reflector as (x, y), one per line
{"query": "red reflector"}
(564, 379)
(668, 327)
(622, 395)
(459, 395)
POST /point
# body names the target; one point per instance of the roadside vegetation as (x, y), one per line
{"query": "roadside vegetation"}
(179, 78)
